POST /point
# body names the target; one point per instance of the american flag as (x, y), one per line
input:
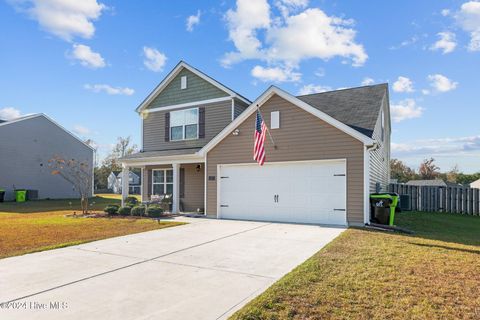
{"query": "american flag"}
(260, 135)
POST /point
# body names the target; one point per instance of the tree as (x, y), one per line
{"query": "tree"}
(122, 148)
(78, 173)
(400, 171)
(428, 169)
(452, 175)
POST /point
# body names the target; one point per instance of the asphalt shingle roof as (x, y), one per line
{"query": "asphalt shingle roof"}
(356, 107)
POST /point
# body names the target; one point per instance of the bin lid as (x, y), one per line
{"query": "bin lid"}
(381, 196)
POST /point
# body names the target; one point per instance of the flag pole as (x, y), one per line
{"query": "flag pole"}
(268, 130)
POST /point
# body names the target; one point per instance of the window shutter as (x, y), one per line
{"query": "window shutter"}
(182, 182)
(167, 126)
(201, 122)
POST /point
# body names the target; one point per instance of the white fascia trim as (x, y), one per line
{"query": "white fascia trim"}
(49, 119)
(172, 75)
(366, 185)
(192, 158)
(187, 104)
(299, 103)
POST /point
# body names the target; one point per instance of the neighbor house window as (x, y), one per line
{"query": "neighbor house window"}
(162, 181)
(184, 124)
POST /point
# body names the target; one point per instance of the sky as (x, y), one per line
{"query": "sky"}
(88, 64)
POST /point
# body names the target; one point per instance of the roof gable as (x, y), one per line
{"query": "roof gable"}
(41, 115)
(359, 108)
(294, 100)
(168, 92)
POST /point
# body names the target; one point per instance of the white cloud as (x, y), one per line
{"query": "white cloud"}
(87, 57)
(154, 59)
(312, 88)
(298, 34)
(81, 130)
(445, 12)
(320, 72)
(403, 84)
(469, 19)
(288, 6)
(446, 42)
(63, 18)
(109, 89)
(441, 83)
(405, 109)
(193, 20)
(9, 113)
(367, 81)
(437, 146)
(275, 74)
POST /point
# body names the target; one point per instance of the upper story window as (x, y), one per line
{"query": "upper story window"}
(184, 124)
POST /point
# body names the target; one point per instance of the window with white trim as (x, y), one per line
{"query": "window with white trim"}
(184, 124)
(162, 181)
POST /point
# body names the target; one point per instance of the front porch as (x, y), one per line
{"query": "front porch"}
(185, 182)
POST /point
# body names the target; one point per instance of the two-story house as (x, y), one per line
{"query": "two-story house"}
(328, 151)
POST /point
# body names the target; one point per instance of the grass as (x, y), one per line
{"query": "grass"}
(433, 274)
(41, 225)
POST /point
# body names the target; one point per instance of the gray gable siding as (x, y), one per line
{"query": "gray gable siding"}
(197, 89)
(239, 107)
(217, 116)
(25, 148)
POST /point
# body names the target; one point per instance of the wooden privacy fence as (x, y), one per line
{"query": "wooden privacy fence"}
(442, 199)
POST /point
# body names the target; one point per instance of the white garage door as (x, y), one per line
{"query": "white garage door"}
(302, 192)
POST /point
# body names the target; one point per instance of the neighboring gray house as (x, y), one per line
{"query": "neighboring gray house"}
(26, 146)
(114, 182)
(331, 150)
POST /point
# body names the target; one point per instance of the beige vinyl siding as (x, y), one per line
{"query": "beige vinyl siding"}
(197, 89)
(301, 136)
(217, 116)
(380, 158)
(194, 188)
(194, 185)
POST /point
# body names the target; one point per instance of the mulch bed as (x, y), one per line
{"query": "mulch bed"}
(117, 216)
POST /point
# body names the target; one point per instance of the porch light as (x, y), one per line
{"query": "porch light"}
(236, 132)
(198, 168)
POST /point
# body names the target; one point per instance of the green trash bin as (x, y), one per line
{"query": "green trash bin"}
(383, 207)
(20, 195)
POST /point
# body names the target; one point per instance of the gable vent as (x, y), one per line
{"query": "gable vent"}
(183, 82)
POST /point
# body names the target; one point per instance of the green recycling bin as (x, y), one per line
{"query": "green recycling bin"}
(20, 195)
(383, 207)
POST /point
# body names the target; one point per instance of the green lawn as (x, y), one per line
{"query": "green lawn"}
(41, 225)
(433, 274)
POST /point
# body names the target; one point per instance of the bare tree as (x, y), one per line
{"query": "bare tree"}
(78, 173)
(428, 169)
(123, 147)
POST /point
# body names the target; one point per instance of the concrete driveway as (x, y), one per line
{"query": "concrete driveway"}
(207, 269)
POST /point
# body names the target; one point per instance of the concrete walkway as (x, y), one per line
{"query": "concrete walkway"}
(207, 269)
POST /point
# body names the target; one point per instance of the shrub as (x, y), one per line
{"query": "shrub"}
(131, 201)
(138, 211)
(111, 209)
(154, 211)
(124, 211)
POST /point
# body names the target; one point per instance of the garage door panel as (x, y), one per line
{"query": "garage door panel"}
(307, 192)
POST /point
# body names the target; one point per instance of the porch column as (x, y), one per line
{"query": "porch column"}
(125, 183)
(176, 188)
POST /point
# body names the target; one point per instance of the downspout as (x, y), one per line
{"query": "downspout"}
(366, 180)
